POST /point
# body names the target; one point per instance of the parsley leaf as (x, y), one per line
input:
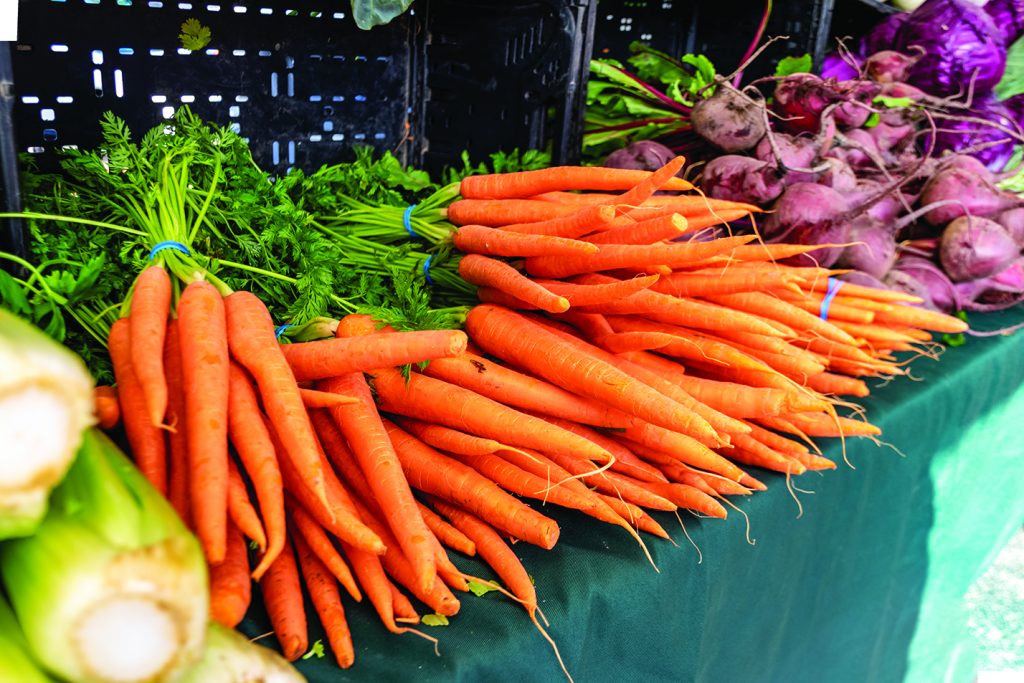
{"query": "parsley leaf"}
(794, 65)
(317, 650)
(434, 620)
(194, 36)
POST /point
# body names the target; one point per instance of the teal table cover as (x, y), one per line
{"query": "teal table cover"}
(867, 584)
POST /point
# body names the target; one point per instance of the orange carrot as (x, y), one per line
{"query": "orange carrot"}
(444, 477)
(814, 462)
(518, 214)
(625, 461)
(488, 272)
(146, 439)
(434, 400)
(255, 448)
(572, 224)
(318, 541)
(772, 252)
(446, 438)
(749, 450)
(612, 483)
(741, 400)
(446, 533)
(644, 232)
(675, 254)
(282, 596)
(850, 289)
(528, 183)
(724, 280)
(333, 357)
(378, 588)
(230, 583)
(323, 591)
(151, 304)
(490, 295)
(683, 448)
(106, 407)
(526, 344)
(365, 433)
(202, 331)
(634, 515)
(831, 383)
(817, 424)
(580, 293)
(177, 442)
(518, 390)
(311, 398)
(240, 509)
(402, 606)
(776, 309)
(646, 187)
(688, 497)
(477, 239)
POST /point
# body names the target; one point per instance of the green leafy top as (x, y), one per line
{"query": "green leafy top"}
(316, 650)
(370, 13)
(788, 66)
(194, 36)
(1012, 82)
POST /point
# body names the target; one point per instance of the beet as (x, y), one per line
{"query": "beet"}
(839, 176)
(923, 278)
(796, 152)
(807, 213)
(892, 139)
(855, 277)
(1013, 222)
(873, 250)
(742, 179)
(854, 148)
(889, 66)
(974, 192)
(996, 292)
(800, 99)
(729, 120)
(974, 247)
(643, 155)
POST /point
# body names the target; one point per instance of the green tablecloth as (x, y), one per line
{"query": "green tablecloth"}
(866, 585)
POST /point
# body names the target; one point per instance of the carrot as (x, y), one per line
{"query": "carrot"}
(634, 515)
(836, 310)
(434, 400)
(255, 448)
(518, 214)
(888, 295)
(773, 252)
(816, 424)
(749, 450)
(106, 407)
(722, 281)
(741, 400)
(150, 306)
(240, 509)
(647, 186)
(314, 536)
(625, 461)
(490, 295)
(876, 333)
(573, 224)
(202, 333)
(683, 448)
(580, 293)
(675, 254)
(528, 183)
(697, 219)
(649, 231)
(379, 589)
(282, 597)
(776, 309)
(776, 441)
(333, 357)
(402, 606)
(796, 367)
(311, 398)
(688, 497)
(177, 442)
(447, 478)
(831, 383)
(526, 344)
(679, 311)
(323, 591)
(488, 272)
(612, 483)
(146, 439)
(477, 239)
(518, 390)
(338, 515)
(446, 533)
(230, 583)
(446, 438)
(365, 433)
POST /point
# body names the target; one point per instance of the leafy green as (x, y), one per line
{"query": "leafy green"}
(501, 162)
(315, 650)
(194, 36)
(794, 65)
(959, 339)
(893, 102)
(434, 620)
(1012, 82)
(479, 589)
(370, 13)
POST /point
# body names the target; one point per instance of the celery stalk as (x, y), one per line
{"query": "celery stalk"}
(45, 404)
(111, 587)
(15, 663)
(231, 658)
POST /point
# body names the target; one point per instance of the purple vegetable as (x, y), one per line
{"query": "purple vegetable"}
(796, 152)
(855, 277)
(961, 45)
(643, 155)
(839, 176)
(729, 120)
(999, 291)
(856, 148)
(991, 145)
(742, 179)
(974, 247)
(873, 250)
(834, 66)
(973, 193)
(892, 138)
(1013, 222)
(1008, 15)
(889, 66)
(921, 277)
(807, 213)
(800, 99)
(886, 35)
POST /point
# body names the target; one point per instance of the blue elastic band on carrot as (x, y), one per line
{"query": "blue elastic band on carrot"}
(280, 329)
(830, 293)
(169, 244)
(407, 220)
(426, 269)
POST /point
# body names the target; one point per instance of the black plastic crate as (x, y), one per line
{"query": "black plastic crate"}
(720, 29)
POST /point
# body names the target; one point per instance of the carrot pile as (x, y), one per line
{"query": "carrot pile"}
(610, 369)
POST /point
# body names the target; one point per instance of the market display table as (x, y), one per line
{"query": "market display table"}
(866, 585)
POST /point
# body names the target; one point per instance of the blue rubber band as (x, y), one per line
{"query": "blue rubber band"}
(279, 330)
(407, 220)
(426, 269)
(169, 244)
(830, 293)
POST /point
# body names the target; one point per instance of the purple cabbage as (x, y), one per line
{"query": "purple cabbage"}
(961, 44)
(1009, 16)
(834, 66)
(886, 35)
